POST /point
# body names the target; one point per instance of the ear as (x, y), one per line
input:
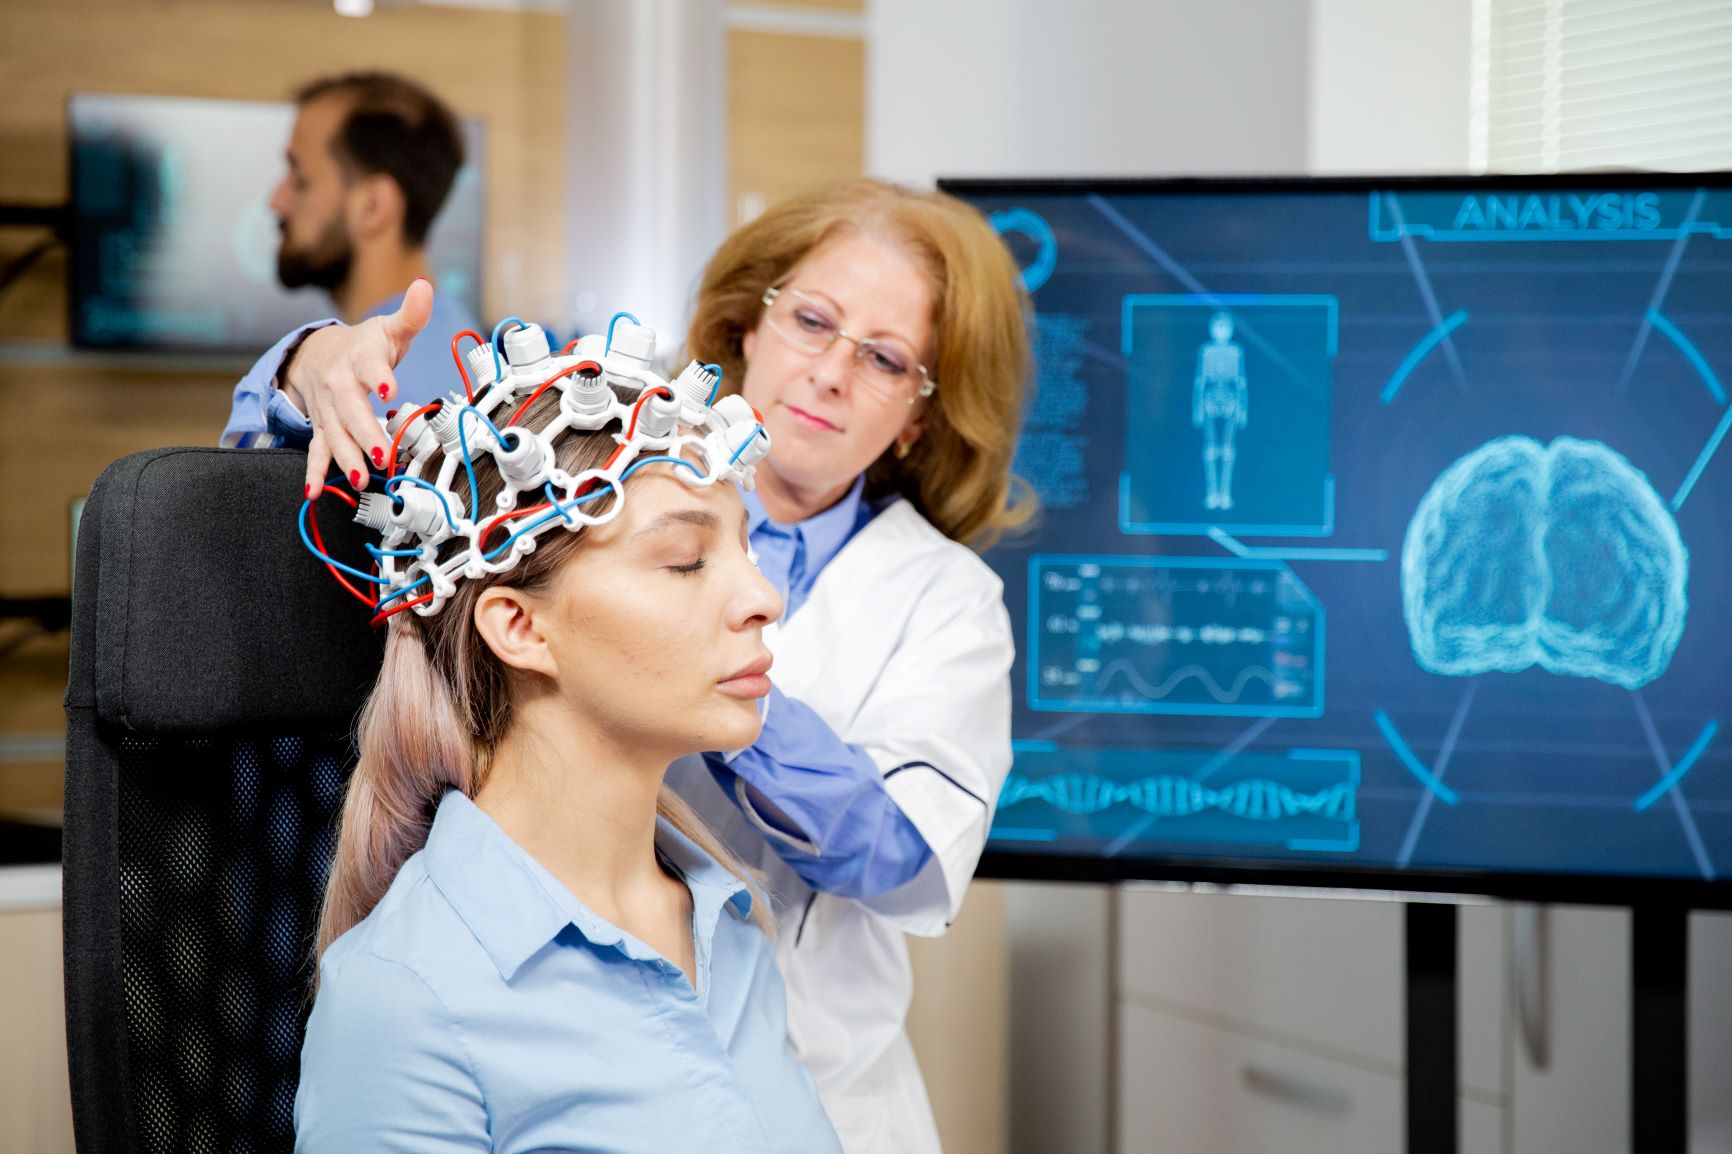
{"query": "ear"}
(375, 206)
(910, 432)
(747, 344)
(510, 624)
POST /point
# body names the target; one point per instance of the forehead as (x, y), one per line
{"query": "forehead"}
(655, 498)
(316, 123)
(879, 288)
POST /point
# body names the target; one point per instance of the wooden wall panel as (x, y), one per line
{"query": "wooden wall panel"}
(796, 115)
(504, 67)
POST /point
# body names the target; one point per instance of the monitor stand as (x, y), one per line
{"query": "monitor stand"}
(1433, 1081)
(1659, 1071)
(1659, 1043)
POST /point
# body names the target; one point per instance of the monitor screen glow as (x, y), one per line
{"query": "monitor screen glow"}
(1387, 534)
(174, 244)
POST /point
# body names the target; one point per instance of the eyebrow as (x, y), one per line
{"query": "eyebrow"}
(835, 304)
(702, 518)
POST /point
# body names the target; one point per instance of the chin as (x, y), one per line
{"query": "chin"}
(738, 732)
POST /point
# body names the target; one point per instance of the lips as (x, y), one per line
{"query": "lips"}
(749, 682)
(811, 420)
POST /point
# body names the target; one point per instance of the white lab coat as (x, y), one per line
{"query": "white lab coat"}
(904, 648)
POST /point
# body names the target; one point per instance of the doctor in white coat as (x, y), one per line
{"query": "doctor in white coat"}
(879, 331)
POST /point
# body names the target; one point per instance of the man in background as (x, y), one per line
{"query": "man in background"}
(371, 160)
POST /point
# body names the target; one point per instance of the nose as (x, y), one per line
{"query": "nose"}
(832, 368)
(279, 198)
(757, 604)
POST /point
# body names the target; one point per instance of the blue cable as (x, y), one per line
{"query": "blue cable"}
(717, 387)
(497, 374)
(468, 461)
(409, 588)
(642, 461)
(307, 540)
(607, 348)
(391, 489)
(559, 513)
(378, 552)
(559, 509)
(756, 433)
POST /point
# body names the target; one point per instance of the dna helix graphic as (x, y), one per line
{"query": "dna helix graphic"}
(1165, 795)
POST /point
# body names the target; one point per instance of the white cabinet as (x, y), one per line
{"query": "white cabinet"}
(1274, 1025)
(1190, 1088)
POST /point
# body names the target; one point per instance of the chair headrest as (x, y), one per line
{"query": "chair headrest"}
(202, 611)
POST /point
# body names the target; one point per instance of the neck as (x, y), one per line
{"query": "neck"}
(380, 272)
(582, 805)
(787, 503)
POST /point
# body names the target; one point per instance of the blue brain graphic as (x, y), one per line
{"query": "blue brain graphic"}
(1558, 555)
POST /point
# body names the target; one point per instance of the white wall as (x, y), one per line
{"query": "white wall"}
(1086, 87)
(1389, 86)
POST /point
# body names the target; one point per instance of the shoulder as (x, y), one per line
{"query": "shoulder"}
(413, 930)
(901, 538)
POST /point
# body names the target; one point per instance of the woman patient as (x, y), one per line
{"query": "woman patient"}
(527, 942)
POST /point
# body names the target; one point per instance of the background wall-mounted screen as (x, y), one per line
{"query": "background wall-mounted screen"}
(174, 245)
(1387, 531)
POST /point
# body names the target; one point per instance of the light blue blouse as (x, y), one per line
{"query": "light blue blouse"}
(481, 1006)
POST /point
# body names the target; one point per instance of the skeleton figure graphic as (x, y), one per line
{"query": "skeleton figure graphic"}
(1220, 407)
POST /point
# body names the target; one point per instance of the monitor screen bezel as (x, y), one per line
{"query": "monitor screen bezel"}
(1621, 889)
(473, 128)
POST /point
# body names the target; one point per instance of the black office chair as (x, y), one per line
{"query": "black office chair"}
(216, 671)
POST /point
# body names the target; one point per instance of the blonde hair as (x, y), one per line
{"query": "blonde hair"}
(439, 709)
(958, 473)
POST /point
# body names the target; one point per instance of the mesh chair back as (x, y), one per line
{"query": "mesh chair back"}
(216, 671)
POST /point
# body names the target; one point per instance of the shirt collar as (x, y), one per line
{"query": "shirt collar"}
(823, 534)
(514, 907)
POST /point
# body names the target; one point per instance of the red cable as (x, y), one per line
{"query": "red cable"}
(589, 368)
(631, 430)
(414, 415)
(571, 344)
(380, 618)
(319, 540)
(463, 369)
(481, 541)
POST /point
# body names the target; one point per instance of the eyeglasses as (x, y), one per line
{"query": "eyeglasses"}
(886, 365)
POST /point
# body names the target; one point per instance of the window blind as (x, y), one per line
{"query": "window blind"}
(1584, 84)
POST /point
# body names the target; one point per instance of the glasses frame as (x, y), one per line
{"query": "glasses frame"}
(862, 345)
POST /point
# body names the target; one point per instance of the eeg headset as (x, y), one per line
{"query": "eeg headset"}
(432, 536)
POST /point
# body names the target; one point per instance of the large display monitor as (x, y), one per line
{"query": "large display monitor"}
(173, 243)
(1387, 535)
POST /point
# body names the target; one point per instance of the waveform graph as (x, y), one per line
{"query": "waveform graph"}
(1113, 799)
(1197, 636)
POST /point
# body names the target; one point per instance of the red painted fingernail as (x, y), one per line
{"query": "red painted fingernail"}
(310, 491)
(378, 456)
(384, 392)
(355, 478)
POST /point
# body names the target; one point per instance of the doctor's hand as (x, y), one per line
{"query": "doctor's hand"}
(332, 375)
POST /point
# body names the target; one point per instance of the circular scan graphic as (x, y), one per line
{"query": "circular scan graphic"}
(1560, 555)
